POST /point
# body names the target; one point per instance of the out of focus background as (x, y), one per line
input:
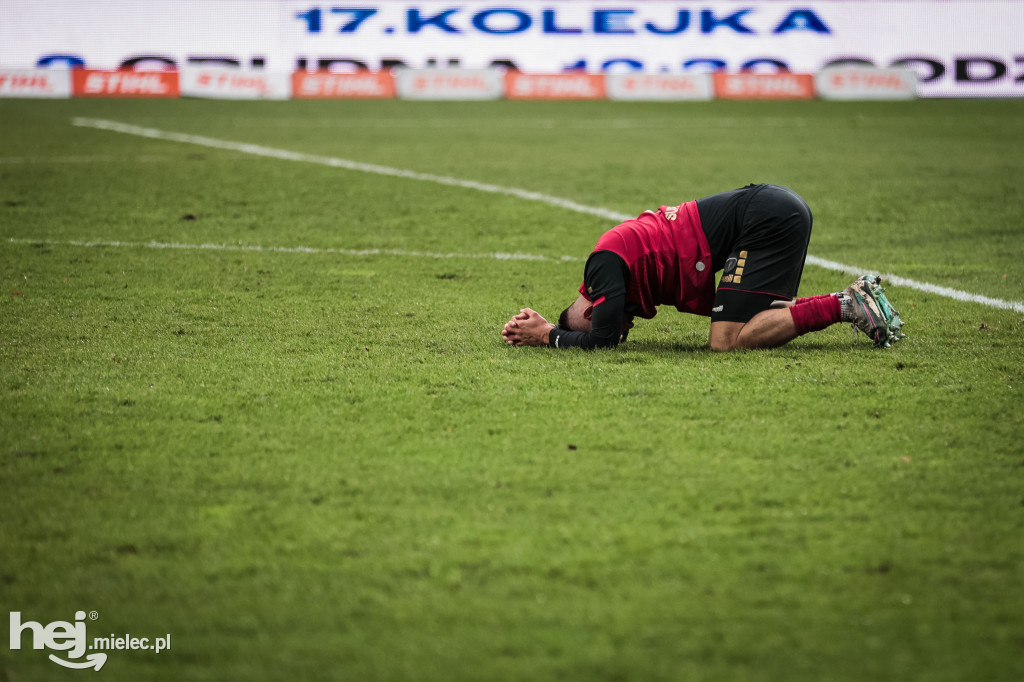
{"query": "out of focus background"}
(953, 49)
(257, 420)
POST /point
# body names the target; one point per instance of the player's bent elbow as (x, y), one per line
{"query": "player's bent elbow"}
(606, 341)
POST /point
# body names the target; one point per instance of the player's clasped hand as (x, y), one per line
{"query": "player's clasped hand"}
(527, 328)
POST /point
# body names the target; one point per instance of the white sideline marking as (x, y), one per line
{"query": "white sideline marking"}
(177, 246)
(270, 152)
(896, 280)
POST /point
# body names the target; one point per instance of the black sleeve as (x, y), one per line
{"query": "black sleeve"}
(605, 276)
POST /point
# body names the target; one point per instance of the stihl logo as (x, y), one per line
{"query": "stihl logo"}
(558, 86)
(665, 87)
(125, 84)
(671, 83)
(447, 81)
(764, 86)
(858, 80)
(18, 83)
(366, 84)
(222, 81)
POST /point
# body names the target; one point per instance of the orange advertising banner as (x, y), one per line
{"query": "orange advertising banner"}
(764, 86)
(89, 83)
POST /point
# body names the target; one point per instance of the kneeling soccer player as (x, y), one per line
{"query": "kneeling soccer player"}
(757, 235)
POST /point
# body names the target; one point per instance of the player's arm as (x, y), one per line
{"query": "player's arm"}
(606, 332)
(606, 278)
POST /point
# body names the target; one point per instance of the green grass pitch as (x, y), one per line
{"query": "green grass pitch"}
(325, 465)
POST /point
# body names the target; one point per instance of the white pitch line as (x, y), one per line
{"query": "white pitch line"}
(178, 246)
(897, 280)
(270, 152)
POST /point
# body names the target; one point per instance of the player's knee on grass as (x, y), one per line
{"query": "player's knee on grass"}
(730, 314)
(725, 335)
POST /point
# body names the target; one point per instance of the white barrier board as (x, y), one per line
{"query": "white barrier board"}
(956, 47)
(35, 83)
(660, 86)
(450, 84)
(235, 83)
(859, 83)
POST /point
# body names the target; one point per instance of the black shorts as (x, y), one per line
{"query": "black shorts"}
(761, 233)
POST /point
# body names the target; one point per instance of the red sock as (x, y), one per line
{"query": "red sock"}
(812, 298)
(816, 312)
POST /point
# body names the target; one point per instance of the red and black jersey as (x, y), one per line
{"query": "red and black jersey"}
(758, 234)
(668, 259)
(659, 258)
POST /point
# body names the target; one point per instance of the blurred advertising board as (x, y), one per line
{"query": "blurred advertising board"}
(659, 86)
(763, 86)
(325, 85)
(35, 83)
(955, 47)
(449, 84)
(554, 86)
(222, 83)
(124, 83)
(855, 83)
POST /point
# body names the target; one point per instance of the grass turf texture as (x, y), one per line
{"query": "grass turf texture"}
(323, 466)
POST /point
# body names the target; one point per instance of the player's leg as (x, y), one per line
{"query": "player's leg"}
(754, 305)
(863, 303)
(769, 328)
